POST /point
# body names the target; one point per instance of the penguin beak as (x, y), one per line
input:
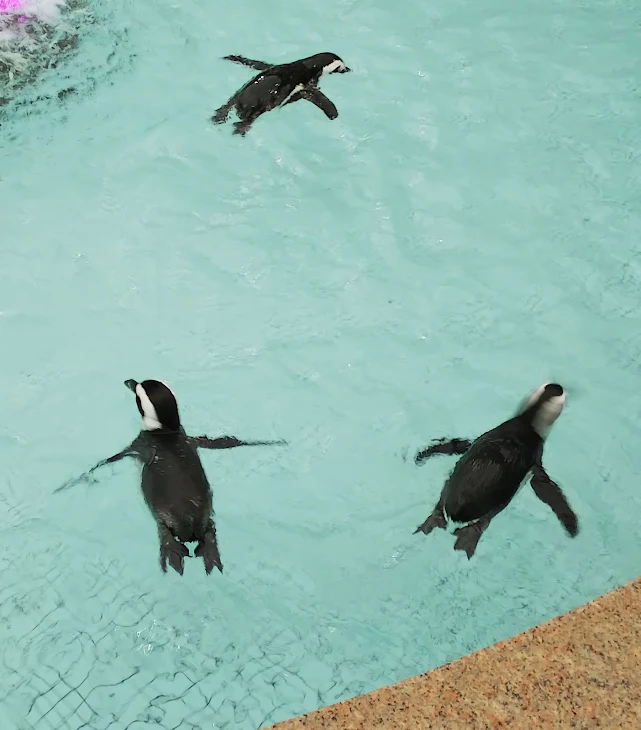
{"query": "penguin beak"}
(346, 70)
(131, 384)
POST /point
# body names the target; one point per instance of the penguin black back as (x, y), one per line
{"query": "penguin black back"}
(492, 468)
(173, 482)
(177, 492)
(489, 474)
(278, 85)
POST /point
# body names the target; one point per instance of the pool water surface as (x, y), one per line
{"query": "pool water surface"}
(466, 229)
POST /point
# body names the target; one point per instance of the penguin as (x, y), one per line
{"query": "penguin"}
(173, 483)
(491, 469)
(279, 85)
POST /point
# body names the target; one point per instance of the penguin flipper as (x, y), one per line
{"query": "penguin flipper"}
(442, 446)
(318, 99)
(549, 492)
(228, 442)
(258, 65)
(86, 476)
(208, 550)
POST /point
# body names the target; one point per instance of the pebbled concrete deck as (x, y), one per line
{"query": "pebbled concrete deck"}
(580, 670)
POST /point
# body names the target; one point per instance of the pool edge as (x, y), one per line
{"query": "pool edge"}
(578, 670)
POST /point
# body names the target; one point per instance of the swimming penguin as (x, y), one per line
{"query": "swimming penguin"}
(492, 468)
(278, 85)
(174, 483)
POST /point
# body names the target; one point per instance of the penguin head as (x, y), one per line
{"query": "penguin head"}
(543, 406)
(157, 405)
(327, 63)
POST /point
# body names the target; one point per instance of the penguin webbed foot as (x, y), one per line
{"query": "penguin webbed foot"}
(434, 521)
(176, 555)
(208, 550)
(467, 538)
(242, 127)
(446, 447)
(173, 551)
(549, 492)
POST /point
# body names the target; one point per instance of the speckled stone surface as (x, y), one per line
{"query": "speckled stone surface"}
(580, 670)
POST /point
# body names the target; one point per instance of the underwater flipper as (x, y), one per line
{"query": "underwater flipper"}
(318, 99)
(86, 476)
(549, 492)
(229, 442)
(443, 446)
(258, 65)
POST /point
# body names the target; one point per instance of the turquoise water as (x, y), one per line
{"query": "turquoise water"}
(468, 228)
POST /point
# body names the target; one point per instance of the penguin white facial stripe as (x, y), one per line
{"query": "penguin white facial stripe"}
(547, 415)
(552, 408)
(533, 397)
(334, 66)
(150, 420)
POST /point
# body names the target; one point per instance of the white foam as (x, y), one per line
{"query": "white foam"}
(17, 45)
(45, 11)
(32, 35)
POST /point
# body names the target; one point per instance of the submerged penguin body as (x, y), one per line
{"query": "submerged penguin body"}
(278, 85)
(494, 466)
(490, 472)
(173, 481)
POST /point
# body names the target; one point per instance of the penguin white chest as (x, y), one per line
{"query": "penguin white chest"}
(295, 90)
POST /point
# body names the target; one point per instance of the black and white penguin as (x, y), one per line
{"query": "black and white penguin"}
(492, 468)
(174, 483)
(278, 85)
